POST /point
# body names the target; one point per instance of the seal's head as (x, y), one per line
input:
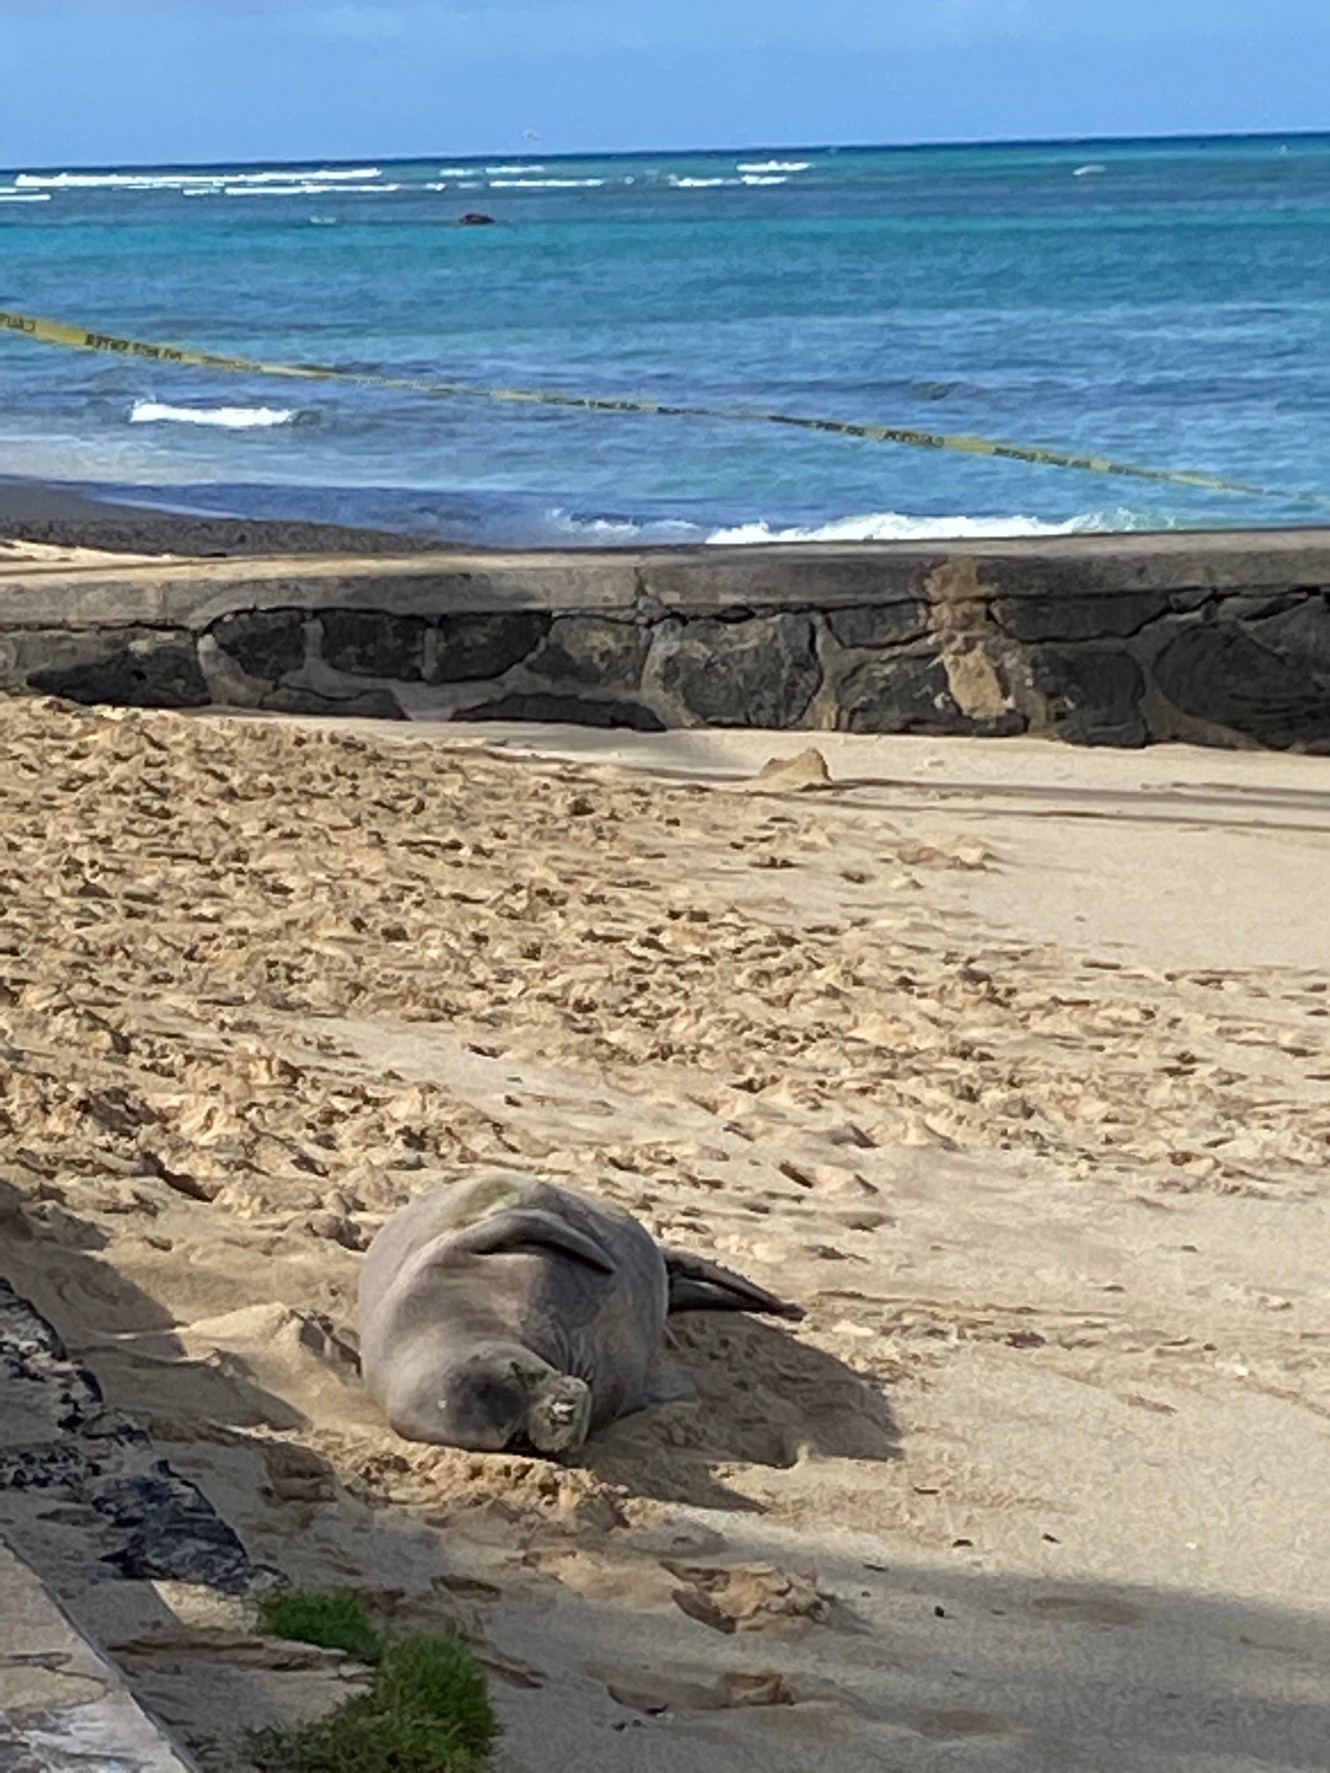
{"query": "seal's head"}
(507, 1399)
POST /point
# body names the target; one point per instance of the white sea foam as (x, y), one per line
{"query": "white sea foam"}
(266, 191)
(774, 165)
(323, 175)
(544, 184)
(227, 418)
(526, 166)
(607, 531)
(305, 190)
(687, 184)
(897, 526)
(602, 529)
(872, 526)
(763, 178)
(25, 196)
(195, 180)
(1085, 172)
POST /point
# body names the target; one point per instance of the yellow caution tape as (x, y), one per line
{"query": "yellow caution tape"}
(54, 332)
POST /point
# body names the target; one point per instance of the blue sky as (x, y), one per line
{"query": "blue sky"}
(112, 81)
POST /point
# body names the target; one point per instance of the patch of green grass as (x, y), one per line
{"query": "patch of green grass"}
(332, 1621)
(359, 1738)
(428, 1710)
(439, 1679)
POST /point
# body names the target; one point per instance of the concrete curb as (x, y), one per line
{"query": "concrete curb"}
(63, 1706)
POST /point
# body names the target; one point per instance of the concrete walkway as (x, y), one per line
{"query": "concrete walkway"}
(82, 1488)
(62, 1704)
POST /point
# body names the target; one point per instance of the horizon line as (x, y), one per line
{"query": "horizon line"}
(534, 153)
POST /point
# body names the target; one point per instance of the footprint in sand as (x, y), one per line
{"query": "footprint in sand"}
(1080, 1610)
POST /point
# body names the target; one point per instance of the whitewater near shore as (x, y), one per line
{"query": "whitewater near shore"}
(1008, 1062)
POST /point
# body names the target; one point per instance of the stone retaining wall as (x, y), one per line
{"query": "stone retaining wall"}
(1218, 639)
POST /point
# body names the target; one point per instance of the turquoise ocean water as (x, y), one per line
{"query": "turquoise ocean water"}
(1160, 302)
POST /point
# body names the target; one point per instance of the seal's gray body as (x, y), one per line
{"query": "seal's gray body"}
(506, 1311)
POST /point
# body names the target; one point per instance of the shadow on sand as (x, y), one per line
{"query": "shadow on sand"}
(1002, 1671)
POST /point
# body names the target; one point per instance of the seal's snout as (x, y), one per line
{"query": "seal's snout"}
(560, 1415)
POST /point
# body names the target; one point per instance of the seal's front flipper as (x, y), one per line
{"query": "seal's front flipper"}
(531, 1230)
(699, 1285)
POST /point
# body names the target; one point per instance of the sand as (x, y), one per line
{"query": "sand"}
(77, 522)
(1009, 1062)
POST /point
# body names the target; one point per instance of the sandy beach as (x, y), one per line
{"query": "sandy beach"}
(1009, 1062)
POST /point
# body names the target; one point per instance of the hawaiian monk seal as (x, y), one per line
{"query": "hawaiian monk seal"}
(509, 1312)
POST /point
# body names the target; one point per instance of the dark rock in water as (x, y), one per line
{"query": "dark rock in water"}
(1093, 695)
(145, 674)
(762, 671)
(570, 710)
(1217, 672)
(475, 218)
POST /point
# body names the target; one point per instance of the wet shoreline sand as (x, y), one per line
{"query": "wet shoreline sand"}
(65, 517)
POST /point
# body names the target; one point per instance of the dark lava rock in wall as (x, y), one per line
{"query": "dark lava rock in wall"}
(761, 671)
(1093, 694)
(1060, 617)
(144, 674)
(265, 643)
(486, 645)
(370, 643)
(878, 624)
(1216, 671)
(911, 693)
(594, 651)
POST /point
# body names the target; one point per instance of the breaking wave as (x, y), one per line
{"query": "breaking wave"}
(170, 181)
(603, 530)
(897, 526)
(544, 184)
(226, 418)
